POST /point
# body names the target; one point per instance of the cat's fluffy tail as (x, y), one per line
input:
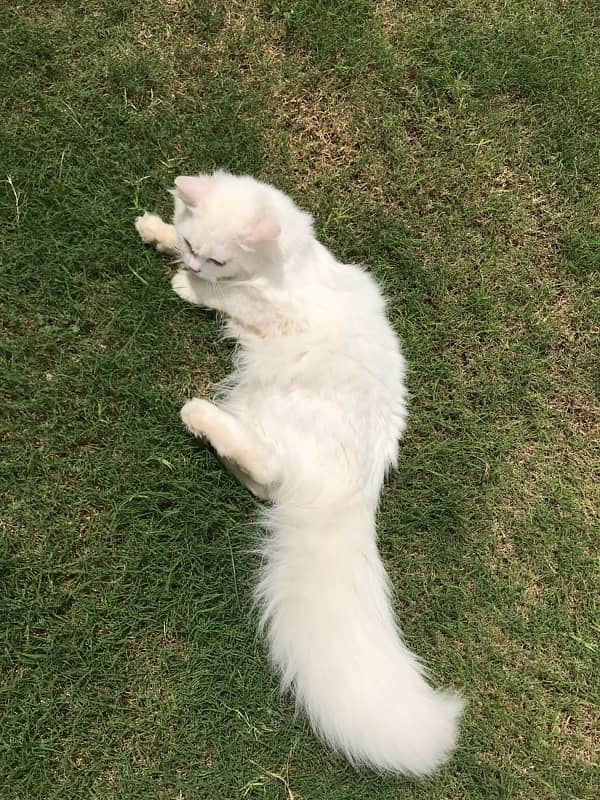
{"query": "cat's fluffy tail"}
(333, 639)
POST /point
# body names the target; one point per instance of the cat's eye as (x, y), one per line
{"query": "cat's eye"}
(217, 263)
(188, 245)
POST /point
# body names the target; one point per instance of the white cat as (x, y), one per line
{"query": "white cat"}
(310, 420)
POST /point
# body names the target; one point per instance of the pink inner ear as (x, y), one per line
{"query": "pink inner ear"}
(192, 188)
(263, 229)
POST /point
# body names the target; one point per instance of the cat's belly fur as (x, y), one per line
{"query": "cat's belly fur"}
(343, 427)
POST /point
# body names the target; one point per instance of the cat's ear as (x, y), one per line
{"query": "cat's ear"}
(262, 229)
(192, 188)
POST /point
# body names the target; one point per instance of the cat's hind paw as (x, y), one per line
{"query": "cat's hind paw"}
(196, 415)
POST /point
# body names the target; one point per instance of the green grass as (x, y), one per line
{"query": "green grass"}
(452, 147)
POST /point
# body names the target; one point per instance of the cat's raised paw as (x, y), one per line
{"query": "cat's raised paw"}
(150, 228)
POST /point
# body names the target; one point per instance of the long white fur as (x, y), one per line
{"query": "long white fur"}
(310, 418)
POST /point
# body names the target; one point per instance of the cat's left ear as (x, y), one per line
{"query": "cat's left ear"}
(262, 229)
(192, 188)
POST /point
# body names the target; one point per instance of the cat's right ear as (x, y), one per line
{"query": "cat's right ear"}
(262, 229)
(192, 188)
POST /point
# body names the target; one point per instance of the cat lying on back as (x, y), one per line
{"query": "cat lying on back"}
(310, 420)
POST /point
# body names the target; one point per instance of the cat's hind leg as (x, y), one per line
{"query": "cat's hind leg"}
(244, 451)
(153, 230)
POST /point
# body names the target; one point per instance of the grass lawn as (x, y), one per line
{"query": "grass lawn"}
(454, 148)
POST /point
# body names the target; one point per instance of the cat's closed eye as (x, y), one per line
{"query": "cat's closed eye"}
(210, 260)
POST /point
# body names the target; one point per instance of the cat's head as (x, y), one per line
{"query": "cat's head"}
(228, 226)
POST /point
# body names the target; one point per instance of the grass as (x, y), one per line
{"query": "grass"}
(451, 146)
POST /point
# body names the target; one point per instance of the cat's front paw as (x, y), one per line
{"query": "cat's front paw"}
(186, 286)
(150, 228)
(195, 415)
